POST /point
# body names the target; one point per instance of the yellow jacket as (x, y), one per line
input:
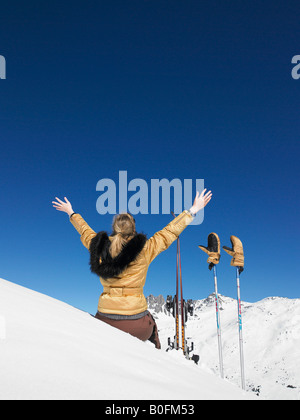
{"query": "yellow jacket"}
(123, 294)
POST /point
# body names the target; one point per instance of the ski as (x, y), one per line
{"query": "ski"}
(172, 305)
(176, 304)
(183, 341)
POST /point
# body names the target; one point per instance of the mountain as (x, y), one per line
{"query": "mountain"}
(52, 351)
(271, 333)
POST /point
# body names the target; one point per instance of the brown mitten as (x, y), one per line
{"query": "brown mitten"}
(212, 249)
(236, 252)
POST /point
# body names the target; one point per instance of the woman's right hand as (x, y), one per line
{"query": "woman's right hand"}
(201, 201)
(64, 206)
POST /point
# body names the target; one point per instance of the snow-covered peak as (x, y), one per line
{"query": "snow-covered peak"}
(271, 333)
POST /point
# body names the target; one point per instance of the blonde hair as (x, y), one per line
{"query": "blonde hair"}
(123, 230)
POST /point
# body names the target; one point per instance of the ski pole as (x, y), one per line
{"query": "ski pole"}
(213, 252)
(240, 328)
(237, 253)
(218, 323)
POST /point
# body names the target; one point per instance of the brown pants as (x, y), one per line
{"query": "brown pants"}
(144, 328)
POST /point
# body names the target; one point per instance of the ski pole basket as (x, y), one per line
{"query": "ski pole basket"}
(195, 358)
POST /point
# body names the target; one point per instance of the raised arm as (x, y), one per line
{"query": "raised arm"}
(85, 231)
(161, 240)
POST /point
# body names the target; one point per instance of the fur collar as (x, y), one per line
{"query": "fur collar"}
(112, 267)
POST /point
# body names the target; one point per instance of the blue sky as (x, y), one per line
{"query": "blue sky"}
(160, 89)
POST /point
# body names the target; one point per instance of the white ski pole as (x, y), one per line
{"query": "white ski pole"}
(240, 328)
(218, 323)
(237, 254)
(213, 252)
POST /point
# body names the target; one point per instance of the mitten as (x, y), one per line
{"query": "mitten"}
(212, 249)
(236, 252)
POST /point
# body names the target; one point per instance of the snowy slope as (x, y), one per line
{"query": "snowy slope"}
(271, 332)
(50, 350)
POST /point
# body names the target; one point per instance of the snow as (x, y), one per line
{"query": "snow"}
(271, 335)
(50, 350)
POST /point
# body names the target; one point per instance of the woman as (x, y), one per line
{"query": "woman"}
(121, 260)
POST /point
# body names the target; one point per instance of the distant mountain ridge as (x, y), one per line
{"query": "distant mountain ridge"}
(271, 332)
(157, 304)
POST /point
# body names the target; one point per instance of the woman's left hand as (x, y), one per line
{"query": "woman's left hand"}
(201, 201)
